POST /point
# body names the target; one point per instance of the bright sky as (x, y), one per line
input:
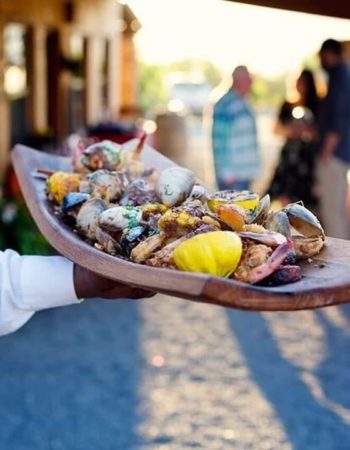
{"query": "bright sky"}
(269, 41)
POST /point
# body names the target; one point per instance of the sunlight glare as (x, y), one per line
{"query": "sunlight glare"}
(270, 41)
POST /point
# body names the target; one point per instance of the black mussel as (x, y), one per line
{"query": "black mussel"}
(153, 221)
(72, 200)
(107, 242)
(290, 259)
(278, 222)
(285, 274)
(132, 237)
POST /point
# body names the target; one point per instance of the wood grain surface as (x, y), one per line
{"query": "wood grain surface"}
(325, 282)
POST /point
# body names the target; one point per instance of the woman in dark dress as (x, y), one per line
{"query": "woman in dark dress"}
(294, 178)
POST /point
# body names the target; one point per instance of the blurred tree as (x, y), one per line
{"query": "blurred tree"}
(208, 70)
(268, 92)
(153, 89)
(17, 228)
(152, 93)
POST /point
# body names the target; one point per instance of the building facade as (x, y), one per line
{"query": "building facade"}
(62, 66)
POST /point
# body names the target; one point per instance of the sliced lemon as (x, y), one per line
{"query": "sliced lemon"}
(245, 199)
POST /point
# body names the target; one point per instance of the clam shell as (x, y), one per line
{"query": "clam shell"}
(120, 217)
(102, 155)
(87, 219)
(107, 184)
(174, 185)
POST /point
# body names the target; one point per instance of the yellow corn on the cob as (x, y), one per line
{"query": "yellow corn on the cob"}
(61, 183)
(176, 223)
(150, 209)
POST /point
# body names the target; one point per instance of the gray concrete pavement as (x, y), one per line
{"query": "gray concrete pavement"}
(168, 374)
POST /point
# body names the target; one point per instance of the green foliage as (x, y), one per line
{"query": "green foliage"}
(18, 230)
(152, 93)
(152, 80)
(268, 92)
(209, 71)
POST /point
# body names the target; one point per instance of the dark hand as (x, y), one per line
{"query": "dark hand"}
(88, 284)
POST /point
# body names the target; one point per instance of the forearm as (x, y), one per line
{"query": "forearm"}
(30, 284)
(330, 143)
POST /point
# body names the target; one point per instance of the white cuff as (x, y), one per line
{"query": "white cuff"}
(46, 282)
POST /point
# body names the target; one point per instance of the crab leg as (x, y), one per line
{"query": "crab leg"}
(272, 264)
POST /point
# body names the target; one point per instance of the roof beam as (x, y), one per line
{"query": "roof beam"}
(335, 8)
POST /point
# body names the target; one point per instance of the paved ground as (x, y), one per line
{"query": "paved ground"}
(166, 374)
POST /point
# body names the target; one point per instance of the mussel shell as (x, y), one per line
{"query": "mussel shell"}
(304, 220)
(291, 258)
(131, 238)
(272, 239)
(262, 211)
(72, 200)
(107, 242)
(278, 222)
(285, 274)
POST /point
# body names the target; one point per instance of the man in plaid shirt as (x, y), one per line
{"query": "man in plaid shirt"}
(234, 136)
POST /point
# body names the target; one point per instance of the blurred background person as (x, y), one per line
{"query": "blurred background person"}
(234, 135)
(294, 177)
(334, 126)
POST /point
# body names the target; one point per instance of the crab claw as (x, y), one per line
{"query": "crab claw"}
(141, 144)
(272, 264)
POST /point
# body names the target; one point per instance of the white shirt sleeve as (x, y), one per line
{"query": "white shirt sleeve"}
(31, 283)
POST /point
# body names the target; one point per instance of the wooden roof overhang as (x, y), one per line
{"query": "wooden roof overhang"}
(334, 8)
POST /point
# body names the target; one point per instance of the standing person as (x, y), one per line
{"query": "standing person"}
(334, 126)
(234, 135)
(294, 177)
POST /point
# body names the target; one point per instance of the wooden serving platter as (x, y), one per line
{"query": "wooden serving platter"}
(325, 282)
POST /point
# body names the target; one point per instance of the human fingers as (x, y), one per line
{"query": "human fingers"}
(124, 291)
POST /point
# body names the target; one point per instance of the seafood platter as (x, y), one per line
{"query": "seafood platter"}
(130, 214)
